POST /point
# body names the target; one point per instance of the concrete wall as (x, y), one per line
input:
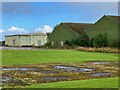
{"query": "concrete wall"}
(12, 40)
(38, 40)
(60, 34)
(23, 40)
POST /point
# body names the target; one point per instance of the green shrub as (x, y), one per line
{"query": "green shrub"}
(83, 40)
(91, 42)
(100, 40)
(48, 44)
(70, 42)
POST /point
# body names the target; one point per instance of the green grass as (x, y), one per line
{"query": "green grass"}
(52, 56)
(93, 83)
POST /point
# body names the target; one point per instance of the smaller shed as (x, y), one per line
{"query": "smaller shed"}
(35, 39)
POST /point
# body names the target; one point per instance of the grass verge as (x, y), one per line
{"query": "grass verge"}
(52, 56)
(93, 83)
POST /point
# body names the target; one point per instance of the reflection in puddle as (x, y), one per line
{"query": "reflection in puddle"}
(71, 69)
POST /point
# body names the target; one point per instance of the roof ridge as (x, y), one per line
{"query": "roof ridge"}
(112, 15)
(113, 19)
(77, 28)
(70, 29)
(76, 23)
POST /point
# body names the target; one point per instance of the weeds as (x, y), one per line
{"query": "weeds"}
(102, 50)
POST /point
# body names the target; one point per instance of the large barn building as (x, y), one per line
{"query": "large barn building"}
(36, 39)
(67, 31)
(109, 25)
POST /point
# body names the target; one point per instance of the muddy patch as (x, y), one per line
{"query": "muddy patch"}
(11, 81)
(54, 78)
(29, 74)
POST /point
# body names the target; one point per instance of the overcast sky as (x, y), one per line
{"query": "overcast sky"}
(29, 17)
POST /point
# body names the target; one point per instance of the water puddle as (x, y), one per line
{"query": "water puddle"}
(73, 69)
(100, 74)
(30, 69)
(54, 78)
(21, 69)
(92, 69)
(48, 72)
(100, 62)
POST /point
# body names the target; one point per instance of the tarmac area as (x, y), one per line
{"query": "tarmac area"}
(20, 48)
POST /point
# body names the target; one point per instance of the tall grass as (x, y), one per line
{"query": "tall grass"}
(103, 49)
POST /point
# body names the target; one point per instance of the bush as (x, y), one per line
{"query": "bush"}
(83, 40)
(67, 42)
(70, 42)
(100, 40)
(48, 44)
(91, 42)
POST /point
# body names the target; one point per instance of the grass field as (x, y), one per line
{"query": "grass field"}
(93, 83)
(52, 56)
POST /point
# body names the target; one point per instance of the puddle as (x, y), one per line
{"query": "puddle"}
(30, 69)
(73, 69)
(55, 78)
(21, 69)
(48, 72)
(99, 62)
(100, 74)
(17, 75)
